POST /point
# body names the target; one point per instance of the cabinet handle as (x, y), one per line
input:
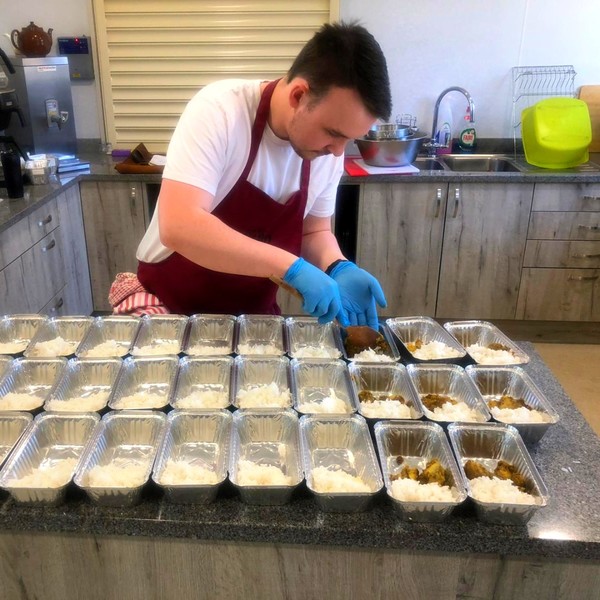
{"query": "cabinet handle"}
(585, 255)
(49, 246)
(590, 227)
(590, 198)
(584, 278)
(58, 305)
(45, 221)
(456, 202)
(132, 197)
(438, 202)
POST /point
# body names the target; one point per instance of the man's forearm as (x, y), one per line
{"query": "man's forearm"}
(321, 248)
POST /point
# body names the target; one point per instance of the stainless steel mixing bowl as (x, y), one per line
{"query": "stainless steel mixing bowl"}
(391, 153)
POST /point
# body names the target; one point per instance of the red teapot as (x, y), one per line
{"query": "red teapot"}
(32, 41)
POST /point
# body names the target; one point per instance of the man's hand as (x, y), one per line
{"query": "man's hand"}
(359, 291)
(320, 292)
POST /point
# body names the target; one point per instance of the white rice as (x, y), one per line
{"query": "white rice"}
(335, 481)
(386, 409)
(20, 401)
(408, 490)
(113, 475)
(91, 402)
(370, 355)
(142, 400)
(48, 476)
(486, 356)
(269, 349)
(460, 411)
(329, 404)
(263, 395)
(435, 350)
(499, 490)
(13, 347)
(180, 472)
(316, 352)
(55, 347)
(252, 474)
(108, 348)
(520, 415)
(204, 398)
(156, 347)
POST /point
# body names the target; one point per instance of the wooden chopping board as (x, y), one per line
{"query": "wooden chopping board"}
(590, 94)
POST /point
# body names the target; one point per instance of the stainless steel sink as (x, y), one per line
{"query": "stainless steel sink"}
(429, 164)
(479, 163)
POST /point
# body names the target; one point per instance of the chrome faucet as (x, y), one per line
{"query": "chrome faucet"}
(432, 145)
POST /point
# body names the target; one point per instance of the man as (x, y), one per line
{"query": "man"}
(249, 187)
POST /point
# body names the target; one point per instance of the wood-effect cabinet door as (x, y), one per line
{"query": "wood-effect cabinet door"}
(77, 296)
(115, 222)
(400, 241)
(484, 242)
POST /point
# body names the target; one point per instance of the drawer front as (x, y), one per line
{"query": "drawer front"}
(559, 295)
(579, 255)
(44, 269)
(13, 298)
(569, 197)
(564, 226)
(21, 236)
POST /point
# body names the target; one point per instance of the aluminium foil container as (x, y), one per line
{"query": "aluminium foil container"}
(4, 364)
(109, 337)
(160, 335)
(339, 444)
(307, 338)
(144, 382)
(488, 444)
(265, 439)
(261, 382)
(210, 335)
(12, 427)
(259, 335)
(322, 386)
(414, 444)
(411, 330)
(203, 383)
(17, 331)
(85, 385)
(392, 356)
(28, 382)
(384, 380)
(193, 439)
(44, 461)
(118, 460)
(494, 382)
(71, 330)
(447, 380)
(482, 333)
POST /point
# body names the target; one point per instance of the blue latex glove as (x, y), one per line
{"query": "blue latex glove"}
(359, 291)
(320, 292)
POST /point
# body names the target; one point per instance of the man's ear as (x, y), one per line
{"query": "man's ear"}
(298, 90)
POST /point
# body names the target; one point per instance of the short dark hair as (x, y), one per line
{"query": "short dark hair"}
(346, 55)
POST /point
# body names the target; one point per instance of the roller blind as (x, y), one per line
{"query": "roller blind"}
(154, 55)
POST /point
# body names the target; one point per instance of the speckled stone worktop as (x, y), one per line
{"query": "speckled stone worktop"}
(568, 458)
(102, 168)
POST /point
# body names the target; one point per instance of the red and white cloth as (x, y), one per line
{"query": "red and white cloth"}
(129, 297)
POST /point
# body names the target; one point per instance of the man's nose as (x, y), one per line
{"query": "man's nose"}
(337, 148)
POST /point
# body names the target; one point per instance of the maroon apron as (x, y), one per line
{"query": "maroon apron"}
(187, 288)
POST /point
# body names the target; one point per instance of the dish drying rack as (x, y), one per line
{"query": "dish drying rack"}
(534, 83)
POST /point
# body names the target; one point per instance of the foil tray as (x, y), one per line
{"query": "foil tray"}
(71, 329)
(109, 337)
(160, 335)
(210, 335)
(307, 338)
(17, 331)
(259, 335)
(253, 372)
(12, 427)
(267, 438)
(194, 439)
(389, 338)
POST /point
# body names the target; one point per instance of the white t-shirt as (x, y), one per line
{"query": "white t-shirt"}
(210, 147)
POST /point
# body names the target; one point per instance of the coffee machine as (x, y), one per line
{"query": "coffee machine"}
(9, 107)
(43, 88)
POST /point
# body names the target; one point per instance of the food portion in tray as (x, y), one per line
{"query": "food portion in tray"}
(365, 344)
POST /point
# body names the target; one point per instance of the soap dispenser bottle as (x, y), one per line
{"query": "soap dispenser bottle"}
(467, 139)
(443, 135)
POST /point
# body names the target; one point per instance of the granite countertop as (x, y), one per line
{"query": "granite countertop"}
(102, 168)
(568, 458)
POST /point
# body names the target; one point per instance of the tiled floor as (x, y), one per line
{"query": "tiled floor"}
(577, 367)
